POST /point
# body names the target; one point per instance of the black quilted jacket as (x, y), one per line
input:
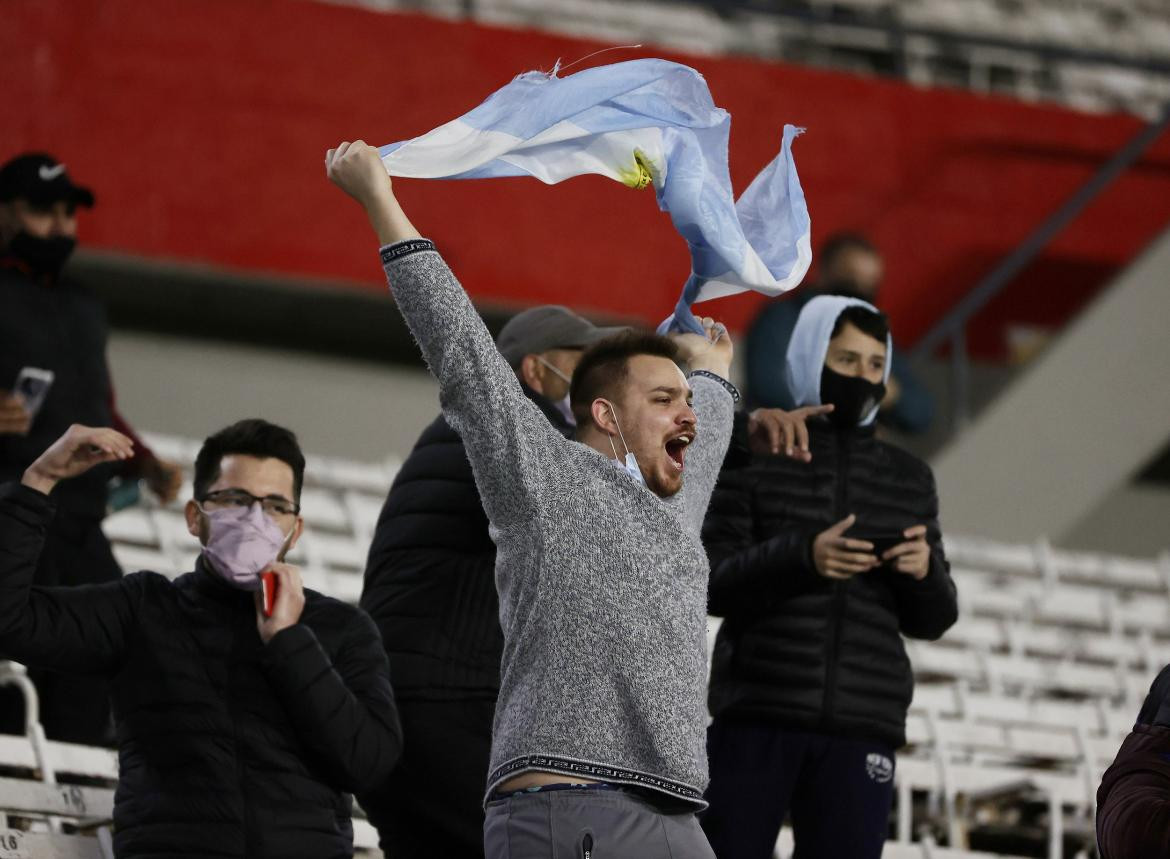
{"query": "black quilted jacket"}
(808, 652)
(430, 578)
(227, 747)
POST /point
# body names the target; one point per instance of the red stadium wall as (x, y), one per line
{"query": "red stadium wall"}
(202, 125)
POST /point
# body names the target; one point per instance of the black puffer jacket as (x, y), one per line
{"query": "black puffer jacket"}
(806, 651)
(59, 327)
(227, 747)
(430, 579)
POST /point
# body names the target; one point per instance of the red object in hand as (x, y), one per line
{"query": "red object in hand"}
(268, 586)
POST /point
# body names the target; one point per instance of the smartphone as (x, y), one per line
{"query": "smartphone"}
(268, 589)
(32, 386)
(882, 541)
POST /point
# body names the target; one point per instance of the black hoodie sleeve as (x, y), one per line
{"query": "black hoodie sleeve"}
(342, 709)
(78, 629)
(927, 608)
(749, 574)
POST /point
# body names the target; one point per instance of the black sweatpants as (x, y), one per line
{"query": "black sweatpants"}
(839, 792)
(432, 804)
(75, 708)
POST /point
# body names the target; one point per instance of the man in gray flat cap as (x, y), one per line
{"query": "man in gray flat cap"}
(430, 587)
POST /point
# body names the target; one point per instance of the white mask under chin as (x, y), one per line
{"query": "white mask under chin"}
(630, 464)
(630, 467)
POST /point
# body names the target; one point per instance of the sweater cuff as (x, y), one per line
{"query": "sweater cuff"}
(400, 250)
(715, 377)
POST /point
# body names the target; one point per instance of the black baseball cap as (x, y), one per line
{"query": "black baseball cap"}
(41, 179)
(551, 326)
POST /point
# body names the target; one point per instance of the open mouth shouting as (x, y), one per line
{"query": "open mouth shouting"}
(676, 448)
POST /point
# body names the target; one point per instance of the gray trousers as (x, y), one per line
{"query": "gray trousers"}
(589, 824)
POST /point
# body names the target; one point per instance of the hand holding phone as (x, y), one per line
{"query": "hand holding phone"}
(882, 541)
(836, 556)
(267, 592)
(280, 600)
(911, 556)
(32, 386)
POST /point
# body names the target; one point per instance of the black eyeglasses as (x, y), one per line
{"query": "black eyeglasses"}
(272, 505)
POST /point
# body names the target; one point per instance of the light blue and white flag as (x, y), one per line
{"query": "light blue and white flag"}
(642, 122)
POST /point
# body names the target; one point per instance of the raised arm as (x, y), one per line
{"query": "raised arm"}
(77, 629)
(709, 360)
(508, 440)
(751, 573)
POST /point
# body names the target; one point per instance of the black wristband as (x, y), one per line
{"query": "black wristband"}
(398, 250)
(727, 386)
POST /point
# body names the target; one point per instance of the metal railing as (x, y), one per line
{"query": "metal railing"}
(952, 328)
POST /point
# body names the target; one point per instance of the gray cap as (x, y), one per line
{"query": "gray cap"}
(551, 326)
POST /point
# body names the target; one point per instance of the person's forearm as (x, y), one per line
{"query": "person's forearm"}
(357, 737)
(480, 394)
(714, 408)
(38, 482)
(61, 629)
(389, 221)
(712, 364)
(756, 576)
(928, 608)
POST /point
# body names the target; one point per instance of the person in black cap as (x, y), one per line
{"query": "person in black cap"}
(430, 587)
(53, 374)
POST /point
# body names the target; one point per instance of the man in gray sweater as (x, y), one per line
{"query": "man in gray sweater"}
(598, 742)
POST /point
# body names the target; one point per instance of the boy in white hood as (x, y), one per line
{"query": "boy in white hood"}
(819, 568)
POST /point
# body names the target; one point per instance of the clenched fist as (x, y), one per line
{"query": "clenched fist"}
(356, 168)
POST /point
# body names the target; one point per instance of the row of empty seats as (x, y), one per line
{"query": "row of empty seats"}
(1094, 55)
(1028, 697)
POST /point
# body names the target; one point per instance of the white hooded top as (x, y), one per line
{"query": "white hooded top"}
(810, 343)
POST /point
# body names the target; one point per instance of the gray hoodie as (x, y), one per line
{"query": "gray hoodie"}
(603, 585)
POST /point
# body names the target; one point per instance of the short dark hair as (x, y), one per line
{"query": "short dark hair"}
(838, 244)
(606, 365)
(872, 322)
(250, 437)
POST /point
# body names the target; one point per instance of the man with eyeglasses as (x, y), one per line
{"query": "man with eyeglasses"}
(242, 727)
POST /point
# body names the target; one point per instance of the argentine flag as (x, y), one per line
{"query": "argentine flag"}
(643, 123)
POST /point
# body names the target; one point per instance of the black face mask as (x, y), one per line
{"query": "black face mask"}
(853, 397)
(45, 256)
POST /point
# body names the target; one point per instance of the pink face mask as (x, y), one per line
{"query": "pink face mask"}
(241, 543)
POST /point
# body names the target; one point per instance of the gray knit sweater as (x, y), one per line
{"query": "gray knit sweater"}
(603, 585)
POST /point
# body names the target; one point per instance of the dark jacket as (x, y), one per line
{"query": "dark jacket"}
(808, 652)
(430, 578)
(226, 746)
(59, 327)
(1133, 802)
